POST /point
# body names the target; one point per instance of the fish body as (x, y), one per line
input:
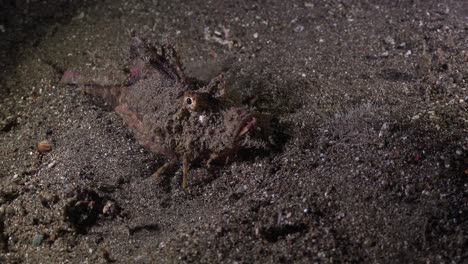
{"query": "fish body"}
(169, 113)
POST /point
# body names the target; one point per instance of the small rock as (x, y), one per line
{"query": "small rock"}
(37, 240)
(255, 35)
(44, 147)
(389, 41)
(110, 209)
(2, 29)
(241, 190)
(51, 165)
(15, 178)
(459, 152)
(447, 163)
(457, 77)
(384, 129)
(298, 28)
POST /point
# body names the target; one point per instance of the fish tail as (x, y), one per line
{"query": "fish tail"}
(106, 86)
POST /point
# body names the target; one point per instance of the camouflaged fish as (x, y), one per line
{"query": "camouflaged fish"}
(171, 114)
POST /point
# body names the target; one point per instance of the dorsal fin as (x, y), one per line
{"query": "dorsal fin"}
(164, 58)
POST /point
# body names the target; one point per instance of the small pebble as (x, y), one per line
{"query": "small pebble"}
(37, 240)
(299, 28)
(51, 165)
(458, 77)
(389, 40)
(44, 147)
(110, 209)
(383, 129)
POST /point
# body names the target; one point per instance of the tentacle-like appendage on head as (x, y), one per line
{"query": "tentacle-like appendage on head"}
(165, 59)
(162, 57)
(217, 87)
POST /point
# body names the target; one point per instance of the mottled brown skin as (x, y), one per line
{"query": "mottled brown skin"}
(168, 113)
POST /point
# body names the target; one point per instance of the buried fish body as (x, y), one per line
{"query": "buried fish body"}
(171, 114)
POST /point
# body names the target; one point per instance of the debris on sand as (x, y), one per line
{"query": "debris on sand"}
(222, 37)
(44, 147)
(37, 240)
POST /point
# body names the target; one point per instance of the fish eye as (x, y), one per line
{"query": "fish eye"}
(191, 101)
